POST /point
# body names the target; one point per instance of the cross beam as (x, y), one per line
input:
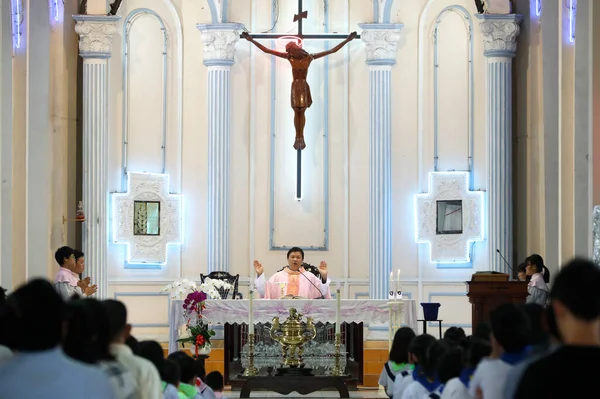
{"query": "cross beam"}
(302, 14)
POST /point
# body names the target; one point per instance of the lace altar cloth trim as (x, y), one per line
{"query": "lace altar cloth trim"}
(367, 311)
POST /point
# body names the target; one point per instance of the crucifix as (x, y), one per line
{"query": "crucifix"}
(300, 60)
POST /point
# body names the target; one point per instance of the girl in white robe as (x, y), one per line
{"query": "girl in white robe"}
(416, 350)
(398, 366)
(540, 277)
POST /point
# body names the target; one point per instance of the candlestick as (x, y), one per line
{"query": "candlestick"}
(338, 304)
(251, 313)
(337, 367)
(250, 371)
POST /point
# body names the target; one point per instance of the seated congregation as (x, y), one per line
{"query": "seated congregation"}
(525, 351)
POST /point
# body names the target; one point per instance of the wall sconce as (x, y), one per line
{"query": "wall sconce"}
(16, 11)
(79, 215)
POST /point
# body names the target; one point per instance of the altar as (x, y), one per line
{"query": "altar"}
(354, 315)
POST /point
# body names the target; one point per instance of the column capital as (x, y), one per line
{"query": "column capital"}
(381, 42)
(500, 32)
(219, 42)
(95, 34)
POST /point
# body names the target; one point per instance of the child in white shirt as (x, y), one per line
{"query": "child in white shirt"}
(398, 365)
(215, 381)
(417, 349)
(458, 387)
(511, 332)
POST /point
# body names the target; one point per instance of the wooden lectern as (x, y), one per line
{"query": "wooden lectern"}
(488, 290)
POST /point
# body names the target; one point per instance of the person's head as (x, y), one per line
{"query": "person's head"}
(402, 339)
(522, 272)
(455, 334)
(152, 351)
(295, 51)
(551, 325)
(511, 328)
(535, 313)
(119, 330)
(79, 261)
(171, 372)
(186, 364)
(483, 331)
(478, 349)
(2, 299)
(434, 353)
(295, 257)
(576, 301)
(214, 380)
(133, 344)
(87, 331)
(34, 313)
(65, 257)
(417, 350)
(535, 264)
(451, 363)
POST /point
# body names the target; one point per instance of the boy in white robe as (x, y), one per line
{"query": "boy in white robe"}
(67, 281)
(511, 332)
(293, 280)
(416, 350)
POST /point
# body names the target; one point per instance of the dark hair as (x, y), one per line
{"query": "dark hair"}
(152, 351)
(34, 313)
(511, 327)
(2, 299)
(522, 268)
(455, 334)
(295, 249)
(214, 380)
(537, 261)
(451, 363)
(420, 345)
(535, 313)
(550, 321)
(63, 253)
(78, 254)
(477, 350)
(171, 373)
(483, 331)
(576, 287)
(435, 351)
(87, 337)
(199, 369)
(186, 363)
(399, 350)
(133, 344)
(117, 315)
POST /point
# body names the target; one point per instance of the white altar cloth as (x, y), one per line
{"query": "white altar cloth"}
(367, 311)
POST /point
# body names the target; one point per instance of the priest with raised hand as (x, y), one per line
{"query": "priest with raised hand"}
(294, 280)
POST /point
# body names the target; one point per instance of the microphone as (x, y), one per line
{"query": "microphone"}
(313, 284)
(505, 261)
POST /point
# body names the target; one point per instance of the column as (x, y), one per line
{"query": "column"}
(219, 51)
(500, 44)
(381, 41)
(95, 39)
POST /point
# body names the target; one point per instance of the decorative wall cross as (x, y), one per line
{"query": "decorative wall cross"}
(301, 98)
(449, 245)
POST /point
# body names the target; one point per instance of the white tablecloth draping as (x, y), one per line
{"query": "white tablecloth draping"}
(367, 311)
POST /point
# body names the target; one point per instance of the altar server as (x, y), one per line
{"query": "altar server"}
(67, 281)
(293, 280)
(398, 366)
(511, 332)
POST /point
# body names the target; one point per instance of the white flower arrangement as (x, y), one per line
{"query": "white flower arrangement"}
(182, 288)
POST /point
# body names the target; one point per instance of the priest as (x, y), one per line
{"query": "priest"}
(293, 280)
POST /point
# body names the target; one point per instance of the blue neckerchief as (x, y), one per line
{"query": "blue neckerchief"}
(516, 357)
(422, 379)
(441, 388)
(466, 376)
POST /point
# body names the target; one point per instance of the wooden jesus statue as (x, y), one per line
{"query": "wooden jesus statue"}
(300, 60)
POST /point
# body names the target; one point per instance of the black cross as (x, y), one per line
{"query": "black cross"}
(302, 14)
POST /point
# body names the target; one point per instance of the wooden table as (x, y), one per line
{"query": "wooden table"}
(301, 384)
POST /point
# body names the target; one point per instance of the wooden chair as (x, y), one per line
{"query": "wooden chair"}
(228, 278)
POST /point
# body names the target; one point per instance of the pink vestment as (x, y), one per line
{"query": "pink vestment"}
(64, 275)
(288, 282)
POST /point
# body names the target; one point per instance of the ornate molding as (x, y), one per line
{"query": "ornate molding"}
(500, 33)
(95, 35)
(219, 42)
(381, 42)
(449, 248)
(147, 187)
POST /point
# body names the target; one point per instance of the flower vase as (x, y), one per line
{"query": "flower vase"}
(204, 350)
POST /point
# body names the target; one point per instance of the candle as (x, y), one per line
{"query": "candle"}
(338, 298)
(398, 279)
(392, 289)
(251, 312)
